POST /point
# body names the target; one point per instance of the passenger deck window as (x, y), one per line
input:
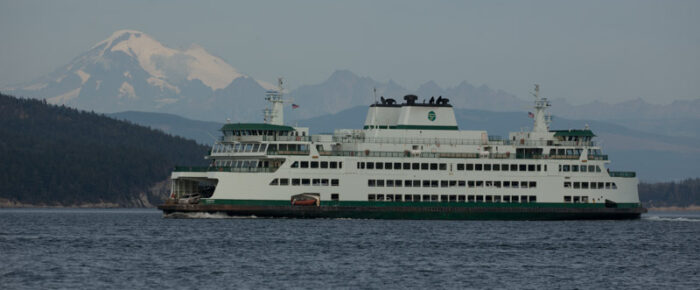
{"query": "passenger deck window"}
(305, 164)
(274, 182)
(335, 182)
(470, 167)
(314, 164)
(284, 181)
(460, 167)
(379, 165)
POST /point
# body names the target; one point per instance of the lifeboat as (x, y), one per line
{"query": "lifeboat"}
(306, 199)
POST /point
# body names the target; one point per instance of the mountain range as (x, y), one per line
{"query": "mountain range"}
(131, 71)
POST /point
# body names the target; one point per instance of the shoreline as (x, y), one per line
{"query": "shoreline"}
(675, 208)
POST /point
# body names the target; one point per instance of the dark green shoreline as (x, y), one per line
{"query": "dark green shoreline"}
(413, 210)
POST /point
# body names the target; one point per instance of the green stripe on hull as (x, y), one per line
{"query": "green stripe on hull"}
(412, 210)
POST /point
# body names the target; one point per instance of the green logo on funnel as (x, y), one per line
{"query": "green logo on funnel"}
(431, 116)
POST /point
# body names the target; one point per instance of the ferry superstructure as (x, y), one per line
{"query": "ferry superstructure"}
(410, 161)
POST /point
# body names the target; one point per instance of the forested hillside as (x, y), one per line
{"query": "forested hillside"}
(55, 155)
(664, 194)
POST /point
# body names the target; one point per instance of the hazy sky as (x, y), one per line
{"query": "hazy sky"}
(578, 50)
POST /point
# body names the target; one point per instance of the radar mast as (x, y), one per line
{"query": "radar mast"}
(542, 121)
(274, 113)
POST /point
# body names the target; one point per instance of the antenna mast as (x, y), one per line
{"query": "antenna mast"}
(541, 119)
(274, 114)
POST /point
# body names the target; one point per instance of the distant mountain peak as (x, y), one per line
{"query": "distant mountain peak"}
(132, 70)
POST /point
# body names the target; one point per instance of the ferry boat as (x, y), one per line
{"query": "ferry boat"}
(410, 161)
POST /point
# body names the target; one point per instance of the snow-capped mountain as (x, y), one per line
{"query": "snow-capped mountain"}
(130, 70)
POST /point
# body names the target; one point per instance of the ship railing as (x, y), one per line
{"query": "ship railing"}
(303, 152)
(564, 157)
(369, 153)
(287, 138)
(222, 169)
(455, 141)
(597, 157)
(625, 174)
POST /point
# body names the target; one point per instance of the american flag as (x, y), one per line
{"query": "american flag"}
(294, 106)
(530, 114)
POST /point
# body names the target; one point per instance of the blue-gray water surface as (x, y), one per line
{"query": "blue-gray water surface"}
(125, 249)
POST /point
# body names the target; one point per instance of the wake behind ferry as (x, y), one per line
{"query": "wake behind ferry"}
(410, 161)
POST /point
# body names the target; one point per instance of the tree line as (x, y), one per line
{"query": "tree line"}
(56, 155)
(683, 193)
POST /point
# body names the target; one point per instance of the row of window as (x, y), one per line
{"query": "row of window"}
(451, 198)
(318, 164)
(239, 147)
(501, 167)
(590, 185)
(443, 166)
(576, 199)
(578, 168)
(305, 181)
(450, 183)
(241, 163)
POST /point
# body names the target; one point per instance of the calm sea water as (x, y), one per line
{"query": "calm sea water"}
(123, 249)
